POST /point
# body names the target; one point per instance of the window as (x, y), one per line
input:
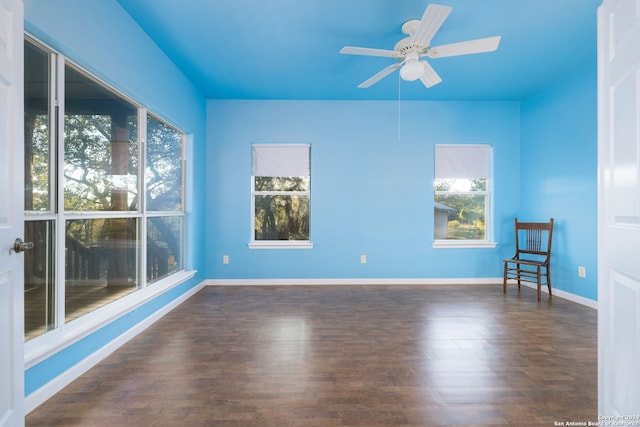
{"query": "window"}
(100, 195)
(164, 189)
(40, 221)
(96, 238)
(462, 201)
(280, 196)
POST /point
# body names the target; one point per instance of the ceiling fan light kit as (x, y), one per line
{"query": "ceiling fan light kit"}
(409, 50)
(412, 71)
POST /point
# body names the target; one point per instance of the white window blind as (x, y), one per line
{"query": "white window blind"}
(463, 161)
(280, 160)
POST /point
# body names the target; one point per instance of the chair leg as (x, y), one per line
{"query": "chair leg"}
(518, 275)
(539, 283)
(504, 280)
(548, 280)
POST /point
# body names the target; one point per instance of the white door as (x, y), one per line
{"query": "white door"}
(619, 210)
(11, 213)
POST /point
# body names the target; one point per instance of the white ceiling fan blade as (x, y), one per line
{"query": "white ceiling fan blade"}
(431, 21)
(351, 50)
(379, 75)
(429, 78)
(487, 44)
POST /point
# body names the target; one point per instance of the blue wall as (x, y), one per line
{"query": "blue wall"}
(372, 183)
(129, 61)
(559, 176)
(371, 186)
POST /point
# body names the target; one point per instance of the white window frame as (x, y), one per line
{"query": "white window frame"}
(487, 170)
(278, 244)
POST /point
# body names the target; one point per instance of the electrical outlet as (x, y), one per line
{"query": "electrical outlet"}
(225, 259)
(582, 272)
(363, 259)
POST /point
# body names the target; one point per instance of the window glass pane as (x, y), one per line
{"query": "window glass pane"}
(459, 185)
(281, 218)
(36, 128)
(164, 246)
(281, 183)
(460, 216)
(163, 174)
(100, 149)
(39, 279)
(102, 260)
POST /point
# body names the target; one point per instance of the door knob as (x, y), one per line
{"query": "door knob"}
(20, 246)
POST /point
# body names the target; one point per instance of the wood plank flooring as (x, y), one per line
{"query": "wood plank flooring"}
(346, 356)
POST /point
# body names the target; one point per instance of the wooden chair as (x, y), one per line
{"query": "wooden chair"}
(531, 263)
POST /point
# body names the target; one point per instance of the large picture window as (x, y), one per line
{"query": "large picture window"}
(462, 202)
(96, 237)
(281, 195)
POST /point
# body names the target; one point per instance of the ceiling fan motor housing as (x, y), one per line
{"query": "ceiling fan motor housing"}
(405, 47)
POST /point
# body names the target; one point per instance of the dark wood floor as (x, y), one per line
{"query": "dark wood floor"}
(346, 356)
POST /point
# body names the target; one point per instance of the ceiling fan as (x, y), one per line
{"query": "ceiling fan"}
(409, 50)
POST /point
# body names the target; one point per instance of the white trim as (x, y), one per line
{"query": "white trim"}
(280, 244)
(44, 346)
(39, 396)
(282, 144)
(353, 281)
(395, 281)
(455, 244)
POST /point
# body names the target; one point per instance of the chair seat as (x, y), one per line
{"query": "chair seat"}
(526, 261)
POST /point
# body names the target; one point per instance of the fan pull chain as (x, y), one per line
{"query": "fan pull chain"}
(399, 82)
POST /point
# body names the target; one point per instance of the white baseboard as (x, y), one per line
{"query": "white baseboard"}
(353, 281)
(39, 396)
(367, 281)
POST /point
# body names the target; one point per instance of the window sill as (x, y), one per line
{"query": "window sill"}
(456, 244)
(283, 244)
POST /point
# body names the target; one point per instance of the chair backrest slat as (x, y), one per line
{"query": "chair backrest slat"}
(534, 240)
(536, 237)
